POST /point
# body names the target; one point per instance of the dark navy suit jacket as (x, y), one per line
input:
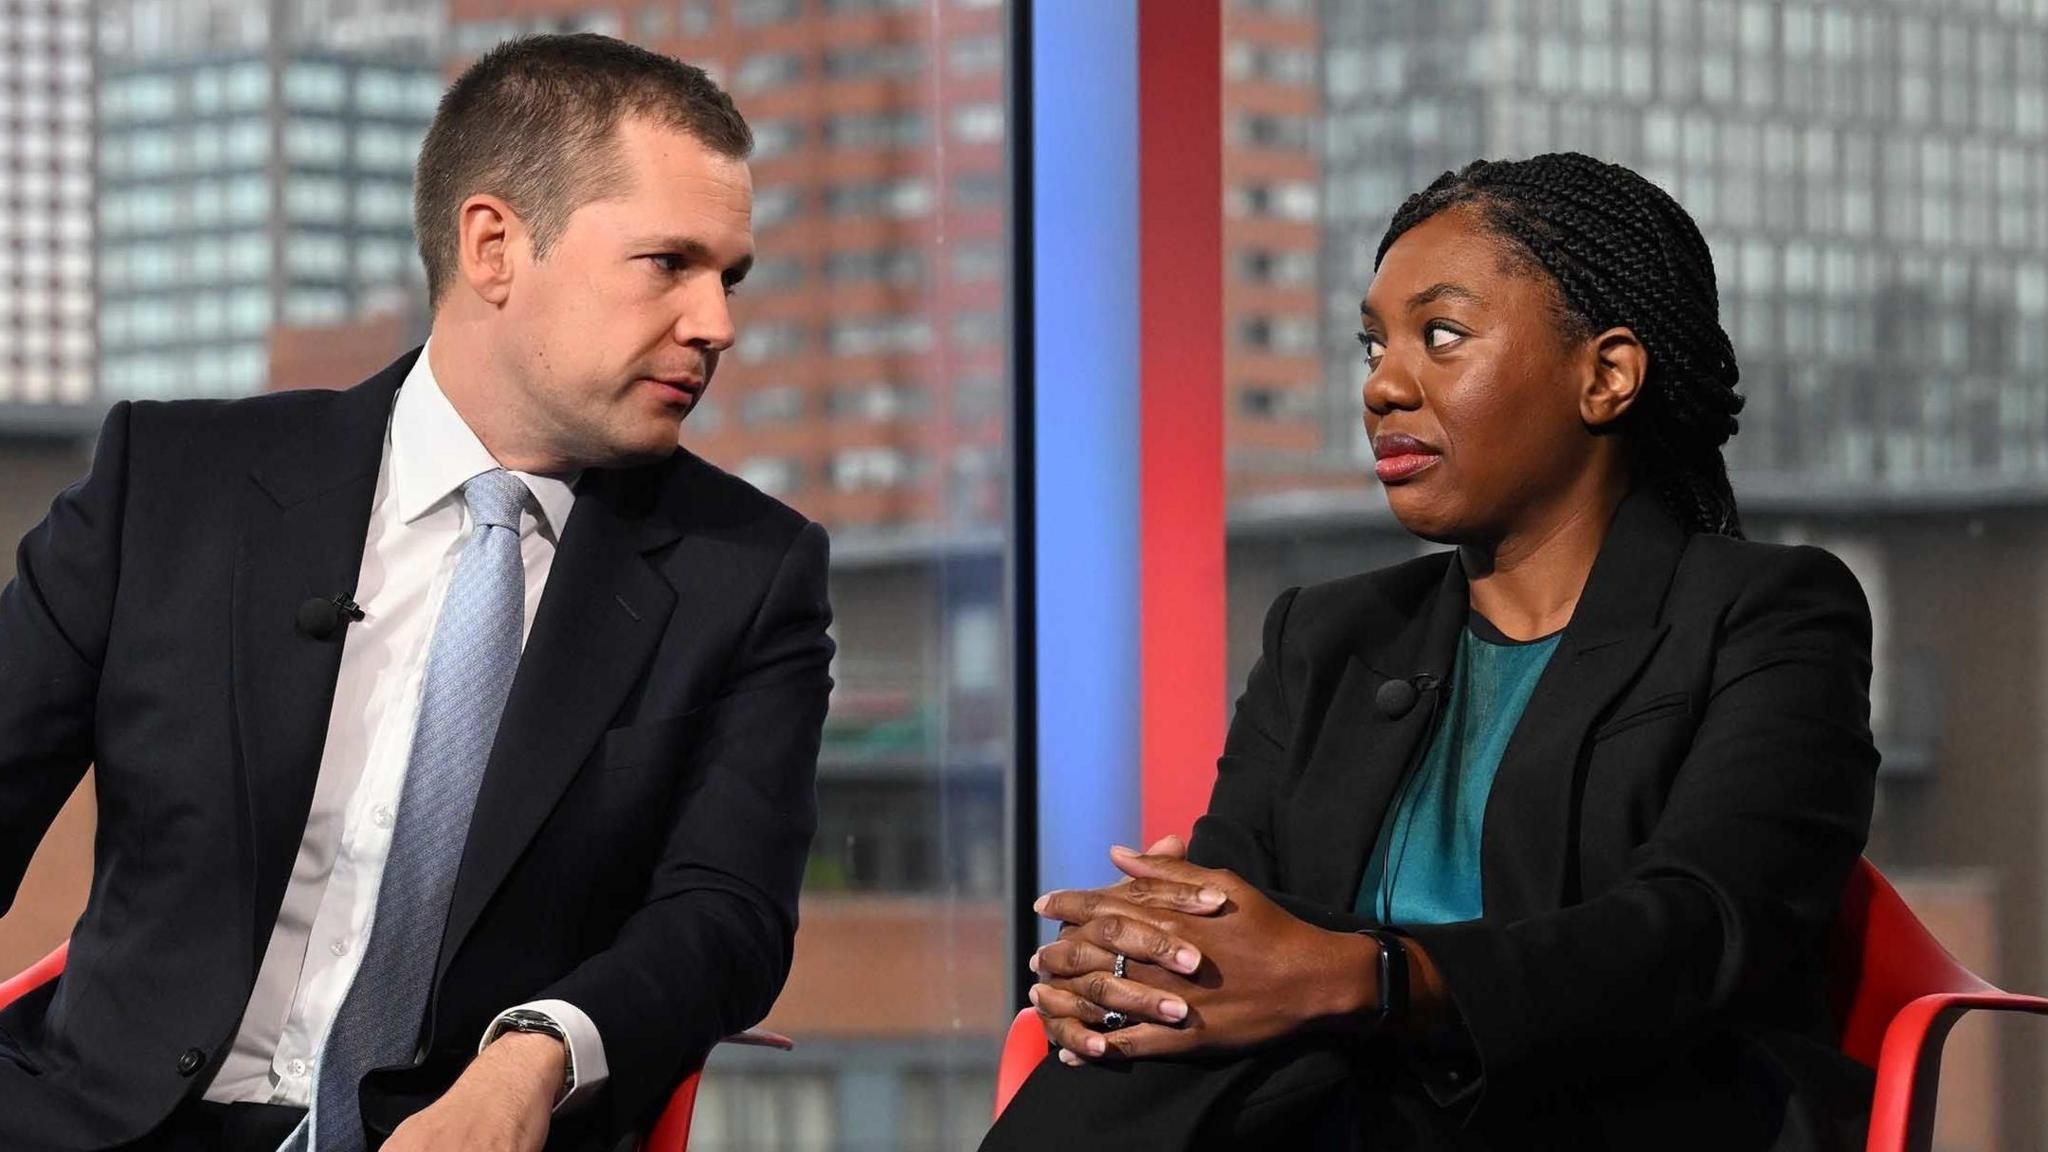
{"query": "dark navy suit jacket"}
(642, 825)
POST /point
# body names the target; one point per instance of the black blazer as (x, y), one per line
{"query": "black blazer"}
(643, 821)
(1664, 848)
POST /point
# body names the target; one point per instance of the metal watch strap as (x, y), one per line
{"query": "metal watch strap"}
(527, 1020)
(1393, 975)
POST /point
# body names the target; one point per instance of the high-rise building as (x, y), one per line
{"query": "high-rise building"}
(46, 190)
(249, 177)
(1277, 414)
(1873, 179)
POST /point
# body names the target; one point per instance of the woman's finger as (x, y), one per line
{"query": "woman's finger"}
(1091, 997)
(1142, 1040)
(1070, 1035)
(1094, 947)
(1080, 905)
(1193, 899)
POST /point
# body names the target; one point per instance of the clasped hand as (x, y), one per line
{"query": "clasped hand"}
(1212, 964)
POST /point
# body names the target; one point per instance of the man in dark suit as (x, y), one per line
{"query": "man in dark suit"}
(455, 734)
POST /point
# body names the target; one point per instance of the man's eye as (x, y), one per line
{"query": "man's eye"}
(1438, 337)
(667, 261)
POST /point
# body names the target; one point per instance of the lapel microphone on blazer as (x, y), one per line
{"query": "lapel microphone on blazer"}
(324, 617)
(1396, 697)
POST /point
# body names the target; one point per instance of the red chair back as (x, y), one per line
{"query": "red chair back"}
(1881, 959)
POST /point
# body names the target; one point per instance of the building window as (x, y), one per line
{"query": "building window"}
(878, 130)
(872, 60)
(321, 142)
(874, 403)
(315, 87)
(768, 70)
(775, 475)
(772, 340)
(978, 123)
(752, 12)
(973, 55)
(858, 469)
(903, 267)
(776, 405)
(899, 199)
(881, 335)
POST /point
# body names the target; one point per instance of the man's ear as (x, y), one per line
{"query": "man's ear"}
(489, 239)
(1619, 365)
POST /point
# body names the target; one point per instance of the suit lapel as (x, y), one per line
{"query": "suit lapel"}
(1528, 849)
(1358, 762)
(306, 515)
(605, 609)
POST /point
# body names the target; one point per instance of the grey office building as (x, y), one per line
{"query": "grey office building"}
(1873, 178)
(46, 353)
(255, 171)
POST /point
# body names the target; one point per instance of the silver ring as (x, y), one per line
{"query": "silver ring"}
(1117, 969)
(1113, 1020)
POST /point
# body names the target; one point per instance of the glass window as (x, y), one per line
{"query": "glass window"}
(322, 142)
(315, 87)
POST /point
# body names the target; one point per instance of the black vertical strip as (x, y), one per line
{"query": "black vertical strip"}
(1022, 797)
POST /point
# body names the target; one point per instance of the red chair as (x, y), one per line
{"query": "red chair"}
(1894, 987)
(671, 1132)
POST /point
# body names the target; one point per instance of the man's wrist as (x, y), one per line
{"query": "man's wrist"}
(532, 1060)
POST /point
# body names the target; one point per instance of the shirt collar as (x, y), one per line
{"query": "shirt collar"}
(434, 453)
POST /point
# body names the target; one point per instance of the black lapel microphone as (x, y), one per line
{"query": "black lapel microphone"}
(1396, 698)
(324, 617)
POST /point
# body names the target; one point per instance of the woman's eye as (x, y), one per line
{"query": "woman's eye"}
(1438, 337)
(1373, 346)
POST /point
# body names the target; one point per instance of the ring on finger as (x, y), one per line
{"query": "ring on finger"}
(1113, 1020)
(1116, 969)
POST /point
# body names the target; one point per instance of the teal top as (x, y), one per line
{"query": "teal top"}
(1425, 864)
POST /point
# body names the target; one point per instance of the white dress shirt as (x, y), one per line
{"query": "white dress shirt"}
(418, 523)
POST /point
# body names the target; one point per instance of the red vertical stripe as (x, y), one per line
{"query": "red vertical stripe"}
(1180, 340)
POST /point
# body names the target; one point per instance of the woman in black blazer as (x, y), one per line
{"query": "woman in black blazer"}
(1620, 933)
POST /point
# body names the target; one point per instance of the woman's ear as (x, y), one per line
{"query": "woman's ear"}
(1620, 365)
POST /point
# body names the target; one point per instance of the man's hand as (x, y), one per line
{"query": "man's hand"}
(501, 1103)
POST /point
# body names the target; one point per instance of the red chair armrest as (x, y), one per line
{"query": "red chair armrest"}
(1023, 1048)
(1909, 1066)
(671, 1133)
(34, 976)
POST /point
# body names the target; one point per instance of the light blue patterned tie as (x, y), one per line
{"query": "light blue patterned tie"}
(469, 673)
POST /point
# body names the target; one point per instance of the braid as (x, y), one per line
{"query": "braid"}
(1622, 253)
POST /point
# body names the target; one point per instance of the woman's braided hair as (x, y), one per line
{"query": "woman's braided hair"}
(1622, 254)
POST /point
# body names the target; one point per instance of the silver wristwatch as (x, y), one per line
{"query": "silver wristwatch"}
(527, 1020)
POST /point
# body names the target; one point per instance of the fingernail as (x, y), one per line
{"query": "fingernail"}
(1032, 995)
(1209, 898)
(1033, 962)
(1069, 1059)
(1173, 1009)
(1119, 851)
(1188, 959)
(1096, 1046)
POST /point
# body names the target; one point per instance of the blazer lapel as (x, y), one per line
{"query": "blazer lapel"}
(604, 611)
(306, 516)
(1528, 856)
(1362, 754)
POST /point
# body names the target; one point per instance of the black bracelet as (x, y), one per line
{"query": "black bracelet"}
(1393, 989)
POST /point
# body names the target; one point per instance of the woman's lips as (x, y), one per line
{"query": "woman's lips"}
(1401, 466)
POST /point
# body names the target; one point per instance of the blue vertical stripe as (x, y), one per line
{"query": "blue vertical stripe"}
(1084, 100)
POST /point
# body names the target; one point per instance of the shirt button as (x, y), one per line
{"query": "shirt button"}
(339, 947)
(296, 1069)
(191, 1060)
(381, 817)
